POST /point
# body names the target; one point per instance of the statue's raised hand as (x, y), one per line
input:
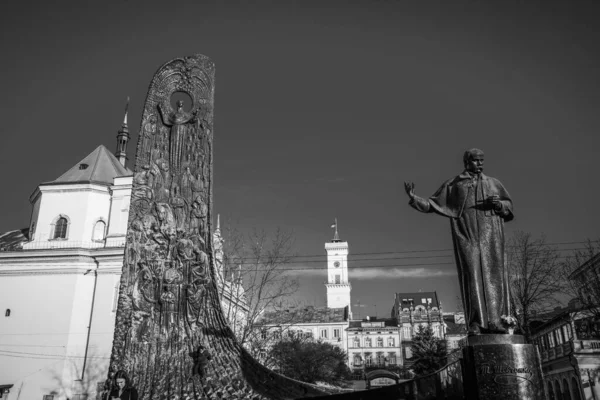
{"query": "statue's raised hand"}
(410, 189)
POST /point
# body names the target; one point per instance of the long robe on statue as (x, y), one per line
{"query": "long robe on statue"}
(478, 236)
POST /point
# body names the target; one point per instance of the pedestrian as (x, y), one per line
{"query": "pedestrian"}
(122, 388)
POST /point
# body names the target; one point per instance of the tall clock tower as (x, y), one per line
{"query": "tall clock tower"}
(338, 285)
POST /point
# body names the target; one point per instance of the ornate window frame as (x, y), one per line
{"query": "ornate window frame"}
(53, 227)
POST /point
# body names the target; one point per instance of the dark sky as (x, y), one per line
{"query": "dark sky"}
(322, 109)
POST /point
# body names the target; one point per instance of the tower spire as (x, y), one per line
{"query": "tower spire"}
(123, 138)
(336, 236)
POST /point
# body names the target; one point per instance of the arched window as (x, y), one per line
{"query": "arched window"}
(99, 230)
(60, 228)
(575, 388)
(566, 391)
(550, 391)
(7, 312)
(557, 392)
(357, 360)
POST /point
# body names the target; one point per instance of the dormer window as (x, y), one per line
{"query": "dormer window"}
(83, 166)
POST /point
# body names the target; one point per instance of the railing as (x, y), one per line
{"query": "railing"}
(71, 244)
(587, 346)
(561, 350)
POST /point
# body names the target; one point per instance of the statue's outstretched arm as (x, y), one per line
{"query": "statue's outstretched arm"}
(420, 204)
(416, 202)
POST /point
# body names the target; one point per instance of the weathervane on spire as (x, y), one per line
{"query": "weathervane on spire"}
(336, 236)
(126, 111)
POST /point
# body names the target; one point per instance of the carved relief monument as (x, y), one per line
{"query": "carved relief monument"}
(169, 316)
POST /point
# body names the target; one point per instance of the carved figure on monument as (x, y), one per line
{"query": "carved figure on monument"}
(142, 193)
(177, 121)
(187, 184)
(198, 218)
(148, 130)
(155, 153)
(477, 206)
(198, 186)
(168, 304)
(162, 181)
(165, 219)
(179, 209)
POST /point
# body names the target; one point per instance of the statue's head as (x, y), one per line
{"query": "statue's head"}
(473, 160)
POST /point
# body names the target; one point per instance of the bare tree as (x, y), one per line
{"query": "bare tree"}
(84, 385)
(256, 263)
(580, 273)
(534, 283)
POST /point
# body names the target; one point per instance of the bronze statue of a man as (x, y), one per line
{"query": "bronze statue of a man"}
(477, 206)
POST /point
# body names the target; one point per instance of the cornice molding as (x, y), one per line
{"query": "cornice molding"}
(61, 261)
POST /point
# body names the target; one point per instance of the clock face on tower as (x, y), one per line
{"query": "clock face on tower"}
(336, 264)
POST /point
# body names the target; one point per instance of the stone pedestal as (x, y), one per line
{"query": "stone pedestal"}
(502, 367)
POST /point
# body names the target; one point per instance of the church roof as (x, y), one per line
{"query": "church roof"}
(305, 315)
(100, 166)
